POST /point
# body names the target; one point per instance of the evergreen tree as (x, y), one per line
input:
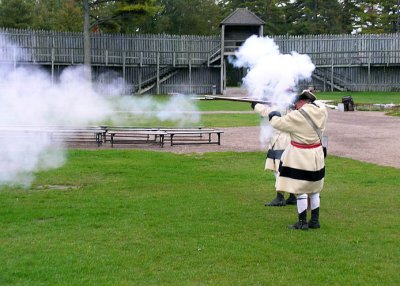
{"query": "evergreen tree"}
(350, 12)
(391, 16)
(314, 17)
(369, 18)
(59, 15)
(16, 14)
(201, 17)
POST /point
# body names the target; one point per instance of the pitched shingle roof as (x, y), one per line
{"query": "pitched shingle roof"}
(242, 16)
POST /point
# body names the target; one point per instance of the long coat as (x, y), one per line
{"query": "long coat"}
(277, 143)
(302, 166)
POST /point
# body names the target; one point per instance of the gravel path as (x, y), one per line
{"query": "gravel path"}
(365, 136)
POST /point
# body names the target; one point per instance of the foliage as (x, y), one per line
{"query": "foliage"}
(202, 17)
(16, 14)
(58, 15)
(122, 16)
(125, 217)
(314, 17)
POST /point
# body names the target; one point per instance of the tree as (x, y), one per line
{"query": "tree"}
(100, 13)
(350, 12)
(201, 17)
(391, 16)
(16, 14)
(314, 17)
(369, 18)
(113, 16)
(59, 15)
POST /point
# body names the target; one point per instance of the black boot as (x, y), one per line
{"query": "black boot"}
(314, 221)
(291, 200)
(279, 201)
(302, 223)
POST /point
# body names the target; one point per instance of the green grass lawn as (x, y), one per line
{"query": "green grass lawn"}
(362, 97)
(129, 217)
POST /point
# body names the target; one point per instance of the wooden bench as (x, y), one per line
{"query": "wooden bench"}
(57, 133)
(136, 136)
(200, 136)
(77, 135)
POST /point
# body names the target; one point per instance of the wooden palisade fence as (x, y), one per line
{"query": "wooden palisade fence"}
(192, 64)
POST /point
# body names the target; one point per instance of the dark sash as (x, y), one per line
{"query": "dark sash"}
(298, 174)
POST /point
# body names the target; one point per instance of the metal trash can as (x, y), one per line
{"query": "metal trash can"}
(214, 90)
(348, 103)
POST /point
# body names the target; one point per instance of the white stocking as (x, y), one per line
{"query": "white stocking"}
(314, 200)
(302, 202)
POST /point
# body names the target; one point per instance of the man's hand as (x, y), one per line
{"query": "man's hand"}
(273, 113)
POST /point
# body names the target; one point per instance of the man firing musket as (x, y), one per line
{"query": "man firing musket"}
(302, 165)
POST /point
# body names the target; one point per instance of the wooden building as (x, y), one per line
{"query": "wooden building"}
(235, 29)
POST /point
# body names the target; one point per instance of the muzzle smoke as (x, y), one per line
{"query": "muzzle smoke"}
(271, 75)
(29, 101)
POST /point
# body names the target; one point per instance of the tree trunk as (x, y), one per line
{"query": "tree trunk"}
(86, 42)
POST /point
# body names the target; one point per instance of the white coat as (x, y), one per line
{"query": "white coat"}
(302, 169)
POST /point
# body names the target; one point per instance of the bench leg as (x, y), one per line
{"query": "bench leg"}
(219, 138)
(99, 140)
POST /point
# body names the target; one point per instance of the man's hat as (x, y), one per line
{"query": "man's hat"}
(305, 94)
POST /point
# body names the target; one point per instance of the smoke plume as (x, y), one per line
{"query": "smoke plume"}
(271, 75)
(30, 101)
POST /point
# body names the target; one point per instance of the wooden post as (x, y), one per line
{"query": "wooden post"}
(158, 73)
(140, 79)
(52, 65)
(222, 77)
(369, 71)
(15, 58)
(124, 65)
(332, 65)
(190, 74)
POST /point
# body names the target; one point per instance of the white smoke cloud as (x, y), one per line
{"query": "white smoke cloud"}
(30, 100)
(179, 109)
(271, 75)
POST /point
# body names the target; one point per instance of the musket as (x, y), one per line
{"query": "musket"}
(241, 99)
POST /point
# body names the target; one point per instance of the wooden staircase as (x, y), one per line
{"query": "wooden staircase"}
(151, 79)
(336, 81)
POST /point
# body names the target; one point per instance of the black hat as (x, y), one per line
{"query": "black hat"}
(305, 94)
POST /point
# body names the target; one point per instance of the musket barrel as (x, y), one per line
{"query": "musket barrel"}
(240, 99)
